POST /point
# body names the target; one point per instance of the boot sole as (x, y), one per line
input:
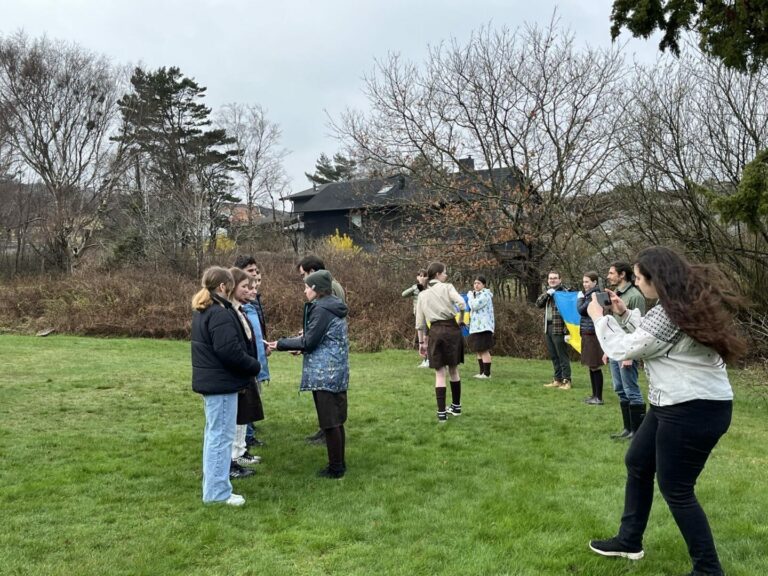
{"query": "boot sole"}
(628, 555)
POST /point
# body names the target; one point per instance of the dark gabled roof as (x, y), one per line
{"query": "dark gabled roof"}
(382, 192)
(368, 193)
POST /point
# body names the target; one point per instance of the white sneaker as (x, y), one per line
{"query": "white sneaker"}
(481, 376)
(235, 500)
(424, 364)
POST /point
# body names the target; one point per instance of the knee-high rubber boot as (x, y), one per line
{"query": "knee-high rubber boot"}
(636, 415)
(626, 433)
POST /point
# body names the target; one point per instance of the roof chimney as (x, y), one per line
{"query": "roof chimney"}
(467, 164)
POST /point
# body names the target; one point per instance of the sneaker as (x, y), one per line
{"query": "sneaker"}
(316, 438)
(237, 471)
(588, 398)
(248, 459)
(481, 376)
(595, 402)
(612, 547)
(254, 442)
(424, 364)
(454, 409)
(442, 416)
(235, 500)
(554, 384)
(566, 385)
(328, 472)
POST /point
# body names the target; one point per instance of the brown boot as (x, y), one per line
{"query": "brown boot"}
(554, 384)
(566, 385)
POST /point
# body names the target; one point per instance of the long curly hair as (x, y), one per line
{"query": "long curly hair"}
(697, 298)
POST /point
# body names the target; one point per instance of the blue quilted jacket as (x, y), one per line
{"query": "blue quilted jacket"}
(325, 344)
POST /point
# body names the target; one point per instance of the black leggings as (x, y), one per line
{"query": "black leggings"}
(674, 443)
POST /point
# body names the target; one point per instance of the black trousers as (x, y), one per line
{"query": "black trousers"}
(674, 443)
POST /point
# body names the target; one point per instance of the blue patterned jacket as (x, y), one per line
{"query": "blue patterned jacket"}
(325, 344)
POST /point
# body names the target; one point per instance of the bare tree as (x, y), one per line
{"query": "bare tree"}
(57, 109)
(538, 117)
(692, 127)
(261, 176)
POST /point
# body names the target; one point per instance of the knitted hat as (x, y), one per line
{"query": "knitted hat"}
(319, 281)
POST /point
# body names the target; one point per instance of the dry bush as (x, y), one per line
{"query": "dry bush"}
(148, 303)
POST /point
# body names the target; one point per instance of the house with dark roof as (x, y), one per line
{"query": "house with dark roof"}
(362, 208)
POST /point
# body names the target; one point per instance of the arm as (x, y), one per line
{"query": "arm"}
(542, 300)
(227, 345)
(479, 302)
(635, 345)
(456, 297)
(409, 291)
(317, 324)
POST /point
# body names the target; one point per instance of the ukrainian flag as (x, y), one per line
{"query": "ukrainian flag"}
(566, 304)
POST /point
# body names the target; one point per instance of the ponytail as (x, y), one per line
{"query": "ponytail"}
(213, 277)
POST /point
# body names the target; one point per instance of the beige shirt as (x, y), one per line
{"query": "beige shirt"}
(437, 303)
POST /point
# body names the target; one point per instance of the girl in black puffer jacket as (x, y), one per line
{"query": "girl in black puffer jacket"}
(223, 363)
(591, 352)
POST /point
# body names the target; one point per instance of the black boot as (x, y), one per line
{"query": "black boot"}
(636, 415)
(626, 433)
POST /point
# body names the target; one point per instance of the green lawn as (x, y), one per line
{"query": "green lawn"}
(100, 445)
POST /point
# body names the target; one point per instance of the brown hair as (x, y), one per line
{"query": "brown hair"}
(592, 275)
(434, 269)
(238, 275)
(213, 277)
(696, 297)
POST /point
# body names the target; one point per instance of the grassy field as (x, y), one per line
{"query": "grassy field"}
(100, 444)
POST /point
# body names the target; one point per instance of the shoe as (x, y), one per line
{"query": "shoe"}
(424, 364)
(595, 402)
(234, 500)
(442, 416)
(317, 438)
(566, 385)
(588, 398)
(254, 442)
(237, 471)
(454, 409)
(248, 459)
(612, 547)
(621, 435)
(554, 384)
(328, 472)
(481, 376)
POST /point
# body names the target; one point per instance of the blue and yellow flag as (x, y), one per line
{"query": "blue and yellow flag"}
(566, 304)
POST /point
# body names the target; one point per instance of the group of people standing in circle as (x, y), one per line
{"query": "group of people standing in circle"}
(624, 373)
(439, 312)
(684, 341)
(230, 362)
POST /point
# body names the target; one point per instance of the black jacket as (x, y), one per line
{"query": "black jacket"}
(223, 359)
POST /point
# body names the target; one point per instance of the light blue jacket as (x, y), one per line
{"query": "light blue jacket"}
(258, 338)
(481, 317)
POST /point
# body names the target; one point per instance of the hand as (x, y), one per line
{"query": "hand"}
(626, 363)
(605, 359)
(423, 349)
(271, 346)
(617, 304)
(295, 352)
(551, 291)
(595, 310)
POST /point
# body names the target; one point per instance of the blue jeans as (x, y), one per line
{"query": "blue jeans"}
(625, 382)
(673, 444)
(220, 422)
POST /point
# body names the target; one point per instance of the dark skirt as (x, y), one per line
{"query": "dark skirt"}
(591, 352)
(249, 408)
(481, 341)
(446, 344)
(331, 408)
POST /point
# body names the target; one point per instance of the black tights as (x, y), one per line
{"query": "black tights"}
(335, 441)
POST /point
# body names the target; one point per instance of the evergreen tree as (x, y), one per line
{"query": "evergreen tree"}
(183, 167)
(339, 169)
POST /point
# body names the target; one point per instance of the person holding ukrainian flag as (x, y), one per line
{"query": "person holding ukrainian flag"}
(555, 332)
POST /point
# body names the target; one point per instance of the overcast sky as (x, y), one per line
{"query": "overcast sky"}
(297, 58)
